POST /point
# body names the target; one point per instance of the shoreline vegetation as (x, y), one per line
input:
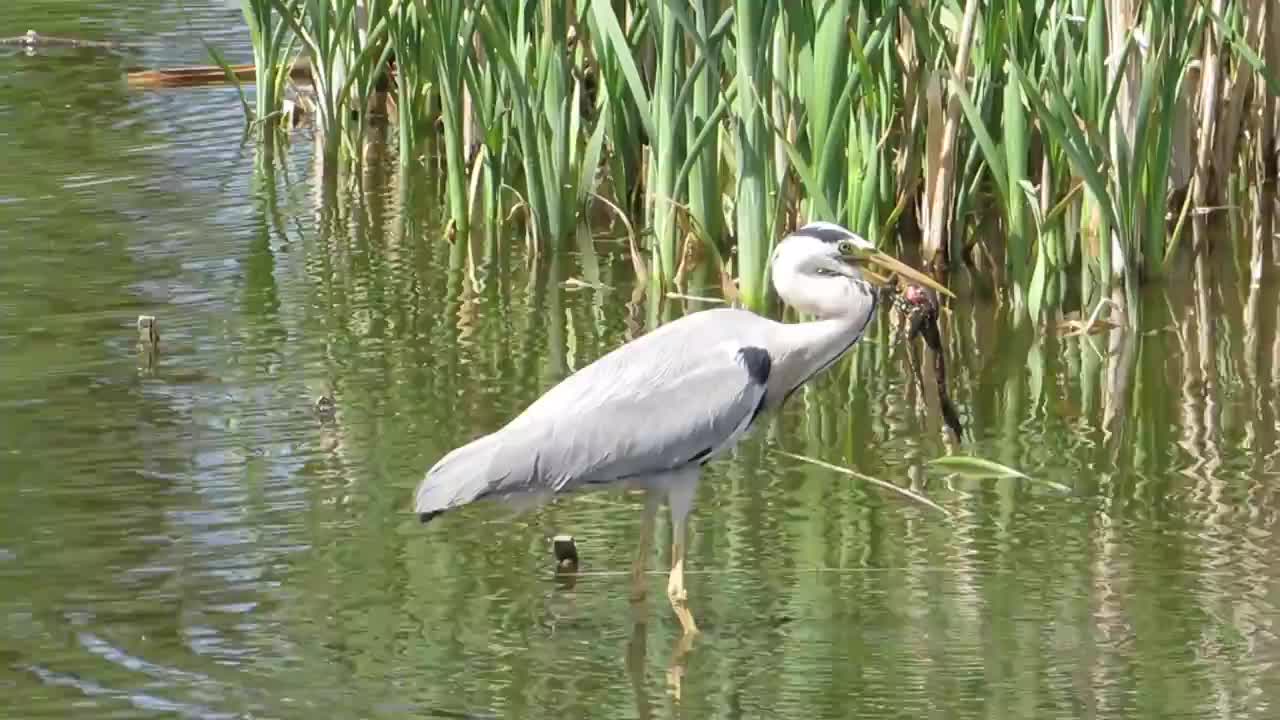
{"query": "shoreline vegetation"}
(1065, 151)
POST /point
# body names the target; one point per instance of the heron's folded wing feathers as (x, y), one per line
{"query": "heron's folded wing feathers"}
(638, 422)
(671, 398)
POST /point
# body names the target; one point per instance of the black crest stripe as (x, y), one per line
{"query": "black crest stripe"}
(824, 232)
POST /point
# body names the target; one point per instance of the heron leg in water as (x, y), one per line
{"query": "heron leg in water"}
(638, 585)
(680, 496)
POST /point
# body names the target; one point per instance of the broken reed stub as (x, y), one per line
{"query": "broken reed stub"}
(325, 406)
(566, 551)
(148, 333)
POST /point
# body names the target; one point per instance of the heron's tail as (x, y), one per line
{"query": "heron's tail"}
(463, 476)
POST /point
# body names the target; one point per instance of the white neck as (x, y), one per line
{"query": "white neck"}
(805, 349)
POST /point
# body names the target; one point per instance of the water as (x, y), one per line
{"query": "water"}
(185, 536)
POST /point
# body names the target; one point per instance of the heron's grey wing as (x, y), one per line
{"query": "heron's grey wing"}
(684, 393)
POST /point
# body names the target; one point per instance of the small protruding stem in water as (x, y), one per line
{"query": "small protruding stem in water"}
(325, 406)
(566, 552)
(148, 333)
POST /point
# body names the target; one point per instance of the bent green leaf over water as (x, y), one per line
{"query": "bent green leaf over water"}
(867, 478)
(980, 468)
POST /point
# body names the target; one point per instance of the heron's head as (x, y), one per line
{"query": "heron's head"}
(825, 270)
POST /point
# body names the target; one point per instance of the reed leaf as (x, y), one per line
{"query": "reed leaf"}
(724, 124)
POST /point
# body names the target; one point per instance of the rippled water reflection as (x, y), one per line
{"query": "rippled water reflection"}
(185, 536)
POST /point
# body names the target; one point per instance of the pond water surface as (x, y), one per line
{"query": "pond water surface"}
(183, 535)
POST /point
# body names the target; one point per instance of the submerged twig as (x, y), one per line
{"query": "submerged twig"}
(32, 39)
(574, 283)
(696, 298)
(1095, 323)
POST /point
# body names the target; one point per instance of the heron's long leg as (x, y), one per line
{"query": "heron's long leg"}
(680, 496)
(638, 584)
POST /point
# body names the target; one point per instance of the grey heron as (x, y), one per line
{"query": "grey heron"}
(652, 412)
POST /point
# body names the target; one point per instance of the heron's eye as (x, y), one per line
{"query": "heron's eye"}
(846, 247)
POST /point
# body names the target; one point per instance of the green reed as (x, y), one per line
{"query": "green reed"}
(347, 48)
(753, 136)
(273, 45)
(1049, 143)
(440, 52)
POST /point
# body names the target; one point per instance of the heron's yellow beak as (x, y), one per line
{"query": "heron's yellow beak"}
(895, 266)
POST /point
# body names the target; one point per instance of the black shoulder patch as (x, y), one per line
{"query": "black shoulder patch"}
(700, 456)
(758, 363)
